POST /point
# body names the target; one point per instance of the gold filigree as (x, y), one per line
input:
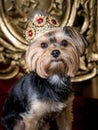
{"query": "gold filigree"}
(13, 16)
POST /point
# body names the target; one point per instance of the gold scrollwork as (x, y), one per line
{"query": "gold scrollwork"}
(13, 16)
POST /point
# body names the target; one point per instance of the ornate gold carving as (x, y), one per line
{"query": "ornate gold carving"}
(13, 16)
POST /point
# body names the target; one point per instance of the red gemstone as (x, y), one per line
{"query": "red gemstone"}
(53, 21)
(40, 20)
(30, 33)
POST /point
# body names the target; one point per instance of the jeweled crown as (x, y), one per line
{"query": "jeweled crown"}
(38, 25)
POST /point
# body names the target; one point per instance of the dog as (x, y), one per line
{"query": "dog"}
(42, 99)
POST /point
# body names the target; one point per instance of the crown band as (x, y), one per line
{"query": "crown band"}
(38, 25)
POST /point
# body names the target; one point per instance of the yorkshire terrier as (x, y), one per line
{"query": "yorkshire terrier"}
(42, 99)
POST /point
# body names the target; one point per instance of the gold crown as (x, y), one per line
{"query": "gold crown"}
(38, 25)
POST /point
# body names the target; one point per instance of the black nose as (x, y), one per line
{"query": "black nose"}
(55, 53)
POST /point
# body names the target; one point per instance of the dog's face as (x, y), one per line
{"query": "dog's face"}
(56, 53)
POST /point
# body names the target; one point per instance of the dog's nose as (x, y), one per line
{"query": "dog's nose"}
(55, 53)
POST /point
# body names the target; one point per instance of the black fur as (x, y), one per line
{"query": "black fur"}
(29, 87)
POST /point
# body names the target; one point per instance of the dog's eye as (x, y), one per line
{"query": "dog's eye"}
(44, 45)
(64, 43)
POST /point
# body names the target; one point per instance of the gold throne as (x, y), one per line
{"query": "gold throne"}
(79, 13)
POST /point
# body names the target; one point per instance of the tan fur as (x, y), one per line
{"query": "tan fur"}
(40, 108)
(66, 117)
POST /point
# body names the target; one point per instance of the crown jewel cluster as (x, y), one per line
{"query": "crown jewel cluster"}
(38, 25)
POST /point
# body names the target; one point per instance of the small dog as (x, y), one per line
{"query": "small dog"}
(42, 99)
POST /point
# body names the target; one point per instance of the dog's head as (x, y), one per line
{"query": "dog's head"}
(56, 52)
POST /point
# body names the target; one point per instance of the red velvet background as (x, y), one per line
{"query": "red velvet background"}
(5, 86)
(85, 109)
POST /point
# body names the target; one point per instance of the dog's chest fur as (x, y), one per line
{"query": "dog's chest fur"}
(53, 89)
(48, 100)
(44, 114)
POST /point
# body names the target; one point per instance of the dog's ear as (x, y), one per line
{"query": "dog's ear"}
(78, 39)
